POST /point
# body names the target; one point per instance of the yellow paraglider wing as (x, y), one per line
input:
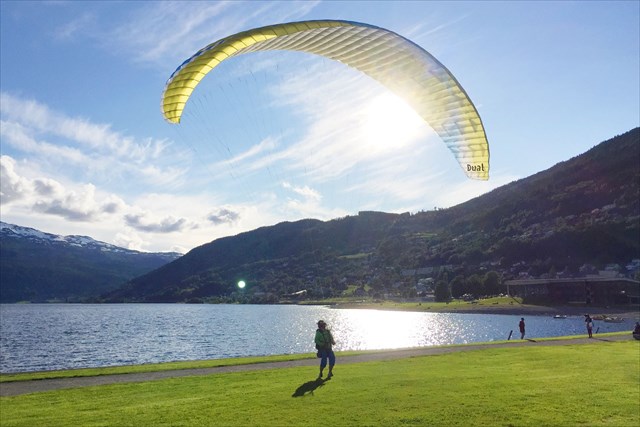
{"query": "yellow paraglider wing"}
(394, 61)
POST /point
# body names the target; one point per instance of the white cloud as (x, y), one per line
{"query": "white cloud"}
(31, 117)
(148, 223)
(306, 202)
(48, 196)
(306, 192)
(44, 195)
(73, 206)
(223, 215)
(13, 187)
(130, 240)
(74, 143)
(77, 27)
(21, 138)
(47, 187)
(267, 145)
(161, 30)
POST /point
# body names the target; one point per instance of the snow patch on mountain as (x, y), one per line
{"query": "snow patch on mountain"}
(15, 231)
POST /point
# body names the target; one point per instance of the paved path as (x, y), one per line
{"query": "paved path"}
(33, 386)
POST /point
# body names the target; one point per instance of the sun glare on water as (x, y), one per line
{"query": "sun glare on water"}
(390, 123)
(372, 329)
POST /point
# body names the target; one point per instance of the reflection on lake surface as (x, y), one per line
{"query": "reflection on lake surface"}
(60, 336)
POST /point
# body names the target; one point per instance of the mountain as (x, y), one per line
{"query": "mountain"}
(38, 266)
(580, 214)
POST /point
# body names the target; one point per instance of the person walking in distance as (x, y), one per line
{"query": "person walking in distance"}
(589, 323)
(324, 344)
(521, 326)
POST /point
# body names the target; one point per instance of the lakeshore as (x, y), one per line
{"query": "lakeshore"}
(480, 307)
(97, 335)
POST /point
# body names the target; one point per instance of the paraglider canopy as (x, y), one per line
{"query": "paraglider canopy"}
(399, 64)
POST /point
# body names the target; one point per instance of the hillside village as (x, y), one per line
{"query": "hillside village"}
(580, 219)
(420, 284)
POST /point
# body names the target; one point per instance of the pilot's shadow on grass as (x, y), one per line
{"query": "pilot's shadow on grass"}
(309, 387)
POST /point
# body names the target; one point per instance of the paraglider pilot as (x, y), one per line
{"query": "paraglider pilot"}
(324, 345)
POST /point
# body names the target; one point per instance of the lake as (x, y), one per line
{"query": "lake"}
(37, 337)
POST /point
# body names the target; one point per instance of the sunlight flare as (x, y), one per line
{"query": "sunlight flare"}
(389, 123)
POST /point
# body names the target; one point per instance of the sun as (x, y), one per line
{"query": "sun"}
(389, 123)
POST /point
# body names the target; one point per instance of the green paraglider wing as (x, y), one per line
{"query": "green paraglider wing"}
(399, 64)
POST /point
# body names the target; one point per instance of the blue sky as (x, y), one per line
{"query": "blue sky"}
(272, 136)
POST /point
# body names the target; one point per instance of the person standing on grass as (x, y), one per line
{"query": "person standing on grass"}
(589, 322)
(521, 326)
(324, 345)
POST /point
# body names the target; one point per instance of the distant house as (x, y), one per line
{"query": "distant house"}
(296, 295)
(428, 296)
(595, 290)
(424, 286)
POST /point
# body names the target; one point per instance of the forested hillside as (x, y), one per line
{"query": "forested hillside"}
(584, 212)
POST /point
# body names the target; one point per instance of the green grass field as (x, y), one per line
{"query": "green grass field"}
(571, 385)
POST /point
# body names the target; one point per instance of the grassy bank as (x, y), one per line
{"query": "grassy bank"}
(497, 303)
(213, 363)
(587, 384)
(151, 367)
